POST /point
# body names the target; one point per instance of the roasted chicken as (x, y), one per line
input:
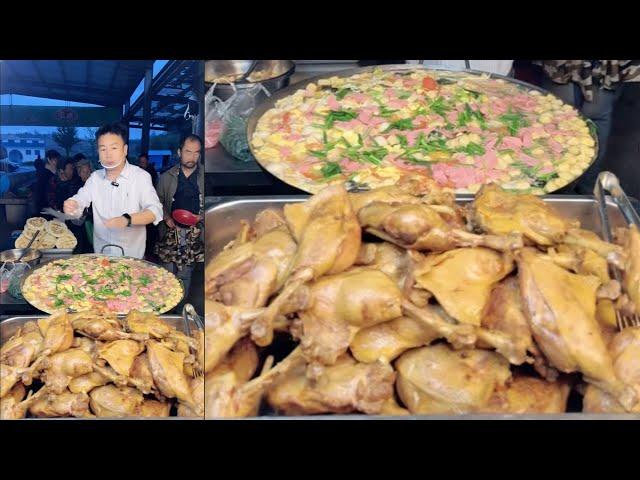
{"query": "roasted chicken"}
(561, 309)
(625, 352)
(427, 227)
(440, 380)
(328, 237)
(346, 386)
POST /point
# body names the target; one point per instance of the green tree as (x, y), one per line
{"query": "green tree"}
(66, 137)
(90, 138)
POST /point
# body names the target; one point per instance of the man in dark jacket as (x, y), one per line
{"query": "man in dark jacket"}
(47, 182)
(182, 188)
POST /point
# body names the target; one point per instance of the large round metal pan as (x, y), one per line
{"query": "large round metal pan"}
(269, 103)
(98, 256)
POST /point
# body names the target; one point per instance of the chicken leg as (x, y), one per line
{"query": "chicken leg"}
(329, 238)
(561, 309)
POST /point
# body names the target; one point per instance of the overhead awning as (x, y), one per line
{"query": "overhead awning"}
(99, 82)
(171, 90)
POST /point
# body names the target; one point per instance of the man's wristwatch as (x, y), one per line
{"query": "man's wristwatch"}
(128, 217)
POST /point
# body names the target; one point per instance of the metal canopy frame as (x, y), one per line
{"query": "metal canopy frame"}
(111, 83)
(108, 83)
(167, 96)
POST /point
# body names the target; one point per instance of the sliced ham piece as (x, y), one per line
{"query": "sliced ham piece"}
(333, 103)
(358, 97)
(491, 143)
(452, 117)
(426, 131)
(350, 125)
(489, 159)
(376, 121)
(412, 136)
(556, 147)
(439, 175)
(447, 133)
(364, 117)
(398, 103)
(528, 159)
(511, 142)
(492, 174)
(285, 152)
(349, 165)
(420, 120)
(457, 175)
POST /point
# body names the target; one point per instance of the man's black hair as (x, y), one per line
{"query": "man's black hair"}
(191, 136)
(78, 156)
(63, 164)
(143, 155)
(116, 128)
(53, 154)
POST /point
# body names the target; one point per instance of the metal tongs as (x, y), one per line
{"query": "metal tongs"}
(608, 181)
(189, 315)
(249, 71)
(24, 251)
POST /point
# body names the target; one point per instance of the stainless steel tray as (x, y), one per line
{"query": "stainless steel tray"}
(271, 101)
(222, 223)
(222, 218)
(9, 326)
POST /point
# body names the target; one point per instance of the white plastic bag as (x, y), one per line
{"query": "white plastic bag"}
(213, 118)
(234, 121)
(5, 276)
(15, 278)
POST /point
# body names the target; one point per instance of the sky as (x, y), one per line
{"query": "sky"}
(7, 99)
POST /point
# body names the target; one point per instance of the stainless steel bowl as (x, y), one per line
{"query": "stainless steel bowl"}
(31, 256)
(277, 74)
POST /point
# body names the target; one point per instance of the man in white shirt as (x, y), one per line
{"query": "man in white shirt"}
(123, 197)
